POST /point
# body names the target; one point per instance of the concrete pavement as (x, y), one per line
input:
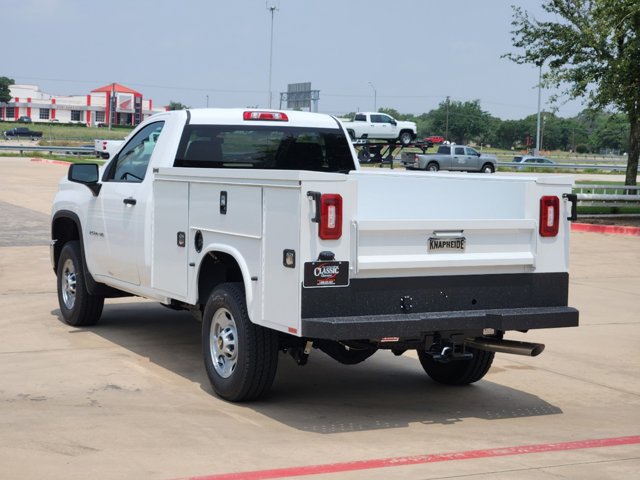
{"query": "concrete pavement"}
(129, 398)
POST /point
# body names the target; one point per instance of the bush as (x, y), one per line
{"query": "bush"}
(582, 149)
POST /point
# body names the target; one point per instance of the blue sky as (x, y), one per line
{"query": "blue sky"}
(414, 52)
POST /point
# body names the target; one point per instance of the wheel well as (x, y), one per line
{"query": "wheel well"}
(216, 268)
(410, 132)
(63, 230)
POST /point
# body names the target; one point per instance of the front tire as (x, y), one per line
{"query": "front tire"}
(240, 358)
(77, 306)
(458, 372)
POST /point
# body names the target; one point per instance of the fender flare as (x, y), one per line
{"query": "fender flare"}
(242, 264)
(93, 287)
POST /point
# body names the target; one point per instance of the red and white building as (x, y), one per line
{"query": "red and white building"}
(123, 105)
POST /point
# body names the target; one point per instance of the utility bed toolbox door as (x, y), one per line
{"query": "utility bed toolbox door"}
(170, 251)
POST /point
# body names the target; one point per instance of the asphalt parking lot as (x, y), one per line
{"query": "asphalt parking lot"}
(129, 398)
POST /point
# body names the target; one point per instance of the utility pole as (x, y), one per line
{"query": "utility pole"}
(111, 103)
(375, 98)
(537, 150)
(446, 132)
(207, 101)
(272, 9)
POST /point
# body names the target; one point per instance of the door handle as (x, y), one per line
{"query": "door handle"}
(129, 201)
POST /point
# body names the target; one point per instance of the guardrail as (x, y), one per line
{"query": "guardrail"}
(571, 166)
(607, 195)
(51, 150)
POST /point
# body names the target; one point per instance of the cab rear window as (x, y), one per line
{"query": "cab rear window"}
(260, 147)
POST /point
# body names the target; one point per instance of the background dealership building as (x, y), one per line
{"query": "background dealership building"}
(123, 105)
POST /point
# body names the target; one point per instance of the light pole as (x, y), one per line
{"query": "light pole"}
(207, 101)
(446, 128)
(375, 98)
(272, 9)
(537, 150)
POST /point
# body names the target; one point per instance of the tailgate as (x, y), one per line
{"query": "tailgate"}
(439, 224)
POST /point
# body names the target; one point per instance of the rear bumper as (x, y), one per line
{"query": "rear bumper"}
(411, 308)
(417, 325)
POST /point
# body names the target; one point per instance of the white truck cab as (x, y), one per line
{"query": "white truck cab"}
(262, 224)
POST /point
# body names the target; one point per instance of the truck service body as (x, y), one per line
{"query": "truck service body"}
(106, 148)
(264, 226)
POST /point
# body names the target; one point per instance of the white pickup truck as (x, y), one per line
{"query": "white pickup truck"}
(263, 225)
(380, 126)
(106, 149)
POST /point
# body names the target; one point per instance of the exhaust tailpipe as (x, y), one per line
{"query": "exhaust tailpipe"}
(505, 346)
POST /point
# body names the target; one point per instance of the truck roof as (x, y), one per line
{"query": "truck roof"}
(234, 116)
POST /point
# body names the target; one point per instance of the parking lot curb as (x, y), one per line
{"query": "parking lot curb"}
(608, 229)
(50, 162)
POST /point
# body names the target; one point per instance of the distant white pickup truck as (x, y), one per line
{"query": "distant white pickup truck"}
(380, 126)
(262, 224)
(107, 148)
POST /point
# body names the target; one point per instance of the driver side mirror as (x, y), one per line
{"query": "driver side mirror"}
(393, 122)
(86, 174)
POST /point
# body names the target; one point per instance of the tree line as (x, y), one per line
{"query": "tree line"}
(466, 122)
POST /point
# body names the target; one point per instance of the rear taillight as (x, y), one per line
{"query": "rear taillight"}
(549, 216)
(330, 227)
(268, 116)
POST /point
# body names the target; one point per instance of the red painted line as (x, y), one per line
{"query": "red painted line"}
(51, 162)
(610, 229)
(421, 459)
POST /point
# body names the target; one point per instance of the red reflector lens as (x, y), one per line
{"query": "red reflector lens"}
(268, 116)
(549, 216)
(330, 216)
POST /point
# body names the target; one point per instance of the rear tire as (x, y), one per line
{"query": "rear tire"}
(459, 372)
(240, 358)
(433, 167)
(405, 138)
(488, 168)
(78, 307)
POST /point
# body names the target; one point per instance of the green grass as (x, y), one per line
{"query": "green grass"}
(603, 210)
(66, 133)
(64, 158)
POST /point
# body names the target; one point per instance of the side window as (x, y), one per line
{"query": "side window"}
(385, 119)
(131, 164)
(459, 151)
(376, 119)
(360, 117)
(472, 153)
